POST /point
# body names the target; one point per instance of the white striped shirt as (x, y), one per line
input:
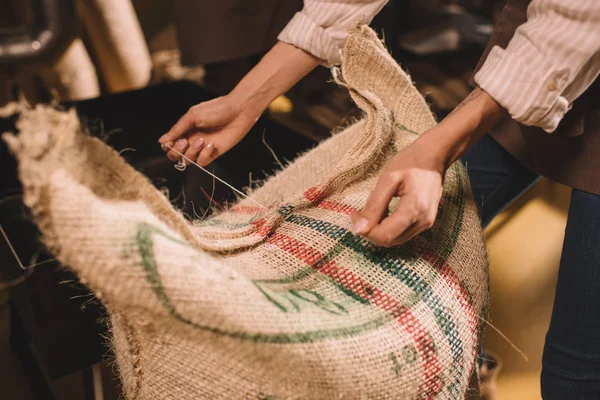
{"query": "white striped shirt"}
(322, 25)
(551, 60)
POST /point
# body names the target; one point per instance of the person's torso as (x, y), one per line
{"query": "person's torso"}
(212, 31)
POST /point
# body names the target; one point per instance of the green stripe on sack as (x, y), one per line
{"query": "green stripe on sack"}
(390, 261)
(365, 248)
(404, 128)
(459, 201)
(145, 243)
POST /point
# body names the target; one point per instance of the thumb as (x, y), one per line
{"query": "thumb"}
(376, 206)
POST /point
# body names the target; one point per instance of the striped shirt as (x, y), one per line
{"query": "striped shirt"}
(551, 60)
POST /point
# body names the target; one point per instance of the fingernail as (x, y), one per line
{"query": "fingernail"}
(162, 138)
(181, 144)
(198, 143)
(210, 146)
(360, 226)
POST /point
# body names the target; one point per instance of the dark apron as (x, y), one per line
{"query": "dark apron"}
(570, 155)
(213, 31)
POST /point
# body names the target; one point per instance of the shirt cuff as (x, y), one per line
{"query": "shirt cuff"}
(531, 96)
(304, 33)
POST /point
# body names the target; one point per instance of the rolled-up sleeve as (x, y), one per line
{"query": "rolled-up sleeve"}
(551, 60)
(322, 26)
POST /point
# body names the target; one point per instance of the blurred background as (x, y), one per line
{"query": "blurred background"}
(131, 68)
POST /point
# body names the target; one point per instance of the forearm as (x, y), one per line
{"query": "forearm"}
(549, 62)
(279, 70)
(470, 120)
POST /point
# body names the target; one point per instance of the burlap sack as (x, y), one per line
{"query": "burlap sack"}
(276, 303)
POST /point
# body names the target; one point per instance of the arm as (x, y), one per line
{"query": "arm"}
(550, 61)
(463, 127)
(416, 173)
(322, 25)
(211, 128)
(281, 68)
(314, 36)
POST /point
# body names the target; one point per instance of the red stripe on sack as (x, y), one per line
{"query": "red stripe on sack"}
(429, 254)
(325, 205)
(313, 194)
(298, 249)
(246, 209)
(409, 322)
(426, 252)
(337, 207)
(262, 228)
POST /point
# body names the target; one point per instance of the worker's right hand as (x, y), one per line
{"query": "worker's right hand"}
(208, 130)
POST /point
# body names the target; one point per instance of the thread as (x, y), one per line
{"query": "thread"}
(244, 195)
(126, 149)
(194, 211)
(17, 281)
(14, 253)
(28, 270)
(503, 336)
(264, 140)
(211, 199)
(180, 166)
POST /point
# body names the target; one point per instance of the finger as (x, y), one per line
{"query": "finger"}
(377, 204)
(427, 211)
(424, 223)
(424, 210)
(167, 146)
(207, 155)
(408, 234)
(407, 213)
(181, 127)
(180, 146)
(193, 150)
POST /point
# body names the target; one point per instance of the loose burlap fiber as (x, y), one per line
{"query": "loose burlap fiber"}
(276, 303)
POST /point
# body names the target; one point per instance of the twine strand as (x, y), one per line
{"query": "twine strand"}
(215, 177)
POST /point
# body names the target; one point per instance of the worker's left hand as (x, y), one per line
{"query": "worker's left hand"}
(415, 175)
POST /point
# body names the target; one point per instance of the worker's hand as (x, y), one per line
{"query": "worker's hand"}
(416, 173)
(208, 130)
(416, 177)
